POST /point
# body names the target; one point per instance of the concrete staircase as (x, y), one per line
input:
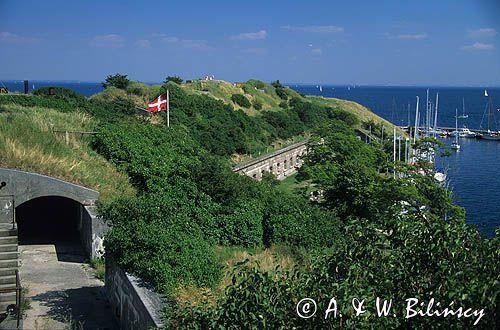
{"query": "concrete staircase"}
(9, 263)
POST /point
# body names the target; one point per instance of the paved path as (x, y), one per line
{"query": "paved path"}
(63, 291)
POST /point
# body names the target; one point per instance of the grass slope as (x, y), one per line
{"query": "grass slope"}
(28, 143)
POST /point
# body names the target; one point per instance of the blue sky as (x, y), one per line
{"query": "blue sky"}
(446, 42)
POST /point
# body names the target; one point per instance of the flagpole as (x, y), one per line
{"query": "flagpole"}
(168, 110)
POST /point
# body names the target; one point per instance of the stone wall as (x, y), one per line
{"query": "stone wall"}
(92, 230)
(282, 163)
(134, 305)
(17, 187)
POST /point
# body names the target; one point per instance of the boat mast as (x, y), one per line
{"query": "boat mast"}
(427, 108)
(415, 135)
(436, 115)
(456, 126)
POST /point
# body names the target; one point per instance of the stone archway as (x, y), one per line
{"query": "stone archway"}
(58, 232)
(24, 189)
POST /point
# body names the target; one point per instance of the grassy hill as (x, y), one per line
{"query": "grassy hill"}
(28, 142)
(263, 98)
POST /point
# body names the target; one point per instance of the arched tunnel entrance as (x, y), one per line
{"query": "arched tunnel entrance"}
(50, 231)
(49, 220)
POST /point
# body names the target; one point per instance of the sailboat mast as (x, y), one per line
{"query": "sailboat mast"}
(427, 114)
(436, 115)
(416, 124)
(394, 150)
(456, 126)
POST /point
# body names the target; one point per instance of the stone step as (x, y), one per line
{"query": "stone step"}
(8, 279)
(8, 240)
(8, 248)
(9, 263)
(9, 255)
(8, 232)
(7, 271)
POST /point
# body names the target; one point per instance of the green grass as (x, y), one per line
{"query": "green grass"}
(99, 266)
(28, 143)
(291, 185)
(266, 259)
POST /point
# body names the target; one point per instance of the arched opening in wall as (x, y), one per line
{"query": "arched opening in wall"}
(52, 222)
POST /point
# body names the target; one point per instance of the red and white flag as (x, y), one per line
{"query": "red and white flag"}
(159, 104)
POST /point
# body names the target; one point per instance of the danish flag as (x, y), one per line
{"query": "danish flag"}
(159, 104)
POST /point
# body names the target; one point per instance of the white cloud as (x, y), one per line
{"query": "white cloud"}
(16, 39)
(254, 51)
(482, 33)
(108, 41)
(185, 43)
(478, 46)
(259, 35)
(314, 28)
(417, 36)
(143, 43)
(316, 51)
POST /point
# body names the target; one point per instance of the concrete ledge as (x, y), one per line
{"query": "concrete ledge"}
(24, 186)
(134, 305)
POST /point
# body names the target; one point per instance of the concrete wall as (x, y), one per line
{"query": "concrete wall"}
(25, 186)
(92, 230)
(282, 163)
(135, 306)
(18, 187)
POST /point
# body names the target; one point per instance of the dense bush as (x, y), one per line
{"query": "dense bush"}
(117, 80)
(290, 220)
(280, 91)
(396, 253)
(241, 100)
(163, 247)
(59, 93)
(285, 123)
(175, 79)
(257, 105)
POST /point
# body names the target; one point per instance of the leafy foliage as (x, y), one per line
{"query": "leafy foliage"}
(117, 80)
(241, 100)
(395, 239)
(175, 79)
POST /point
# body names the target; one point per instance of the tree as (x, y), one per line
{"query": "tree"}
(276, 84)
(117, 80)
(175, 79)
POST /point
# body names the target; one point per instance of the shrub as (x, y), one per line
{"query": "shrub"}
(276, 84)
(175, 79)
(242, 225)
(283, 105)
(117, 80)
(59, 93)
(257, 105)
(241, 100)
(166, 255)
(282, 93)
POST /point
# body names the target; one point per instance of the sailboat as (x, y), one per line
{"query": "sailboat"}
(455, 145)
(463, 115)
(491, 135)
(321, 89)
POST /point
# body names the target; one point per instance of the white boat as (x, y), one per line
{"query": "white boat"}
(467, 133)
(463, 115)
(440, 177)
(490, 135)
(455, 145)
